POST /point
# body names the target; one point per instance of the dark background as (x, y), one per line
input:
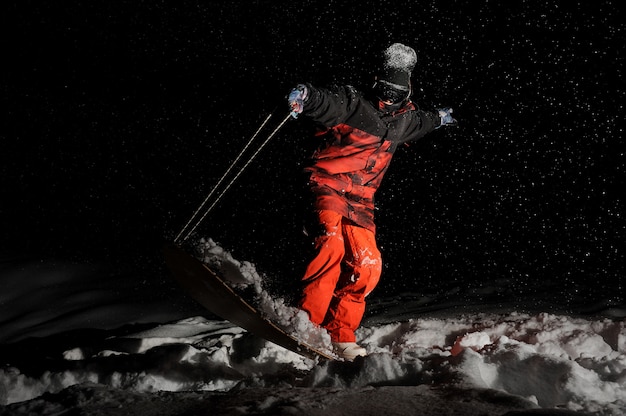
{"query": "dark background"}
(121, 116)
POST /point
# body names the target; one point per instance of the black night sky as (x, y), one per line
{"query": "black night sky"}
(120, 117)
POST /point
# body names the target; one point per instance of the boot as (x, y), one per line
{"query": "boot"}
(349, 350)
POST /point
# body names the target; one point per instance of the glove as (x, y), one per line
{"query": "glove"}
(446, 117)
(296, 99)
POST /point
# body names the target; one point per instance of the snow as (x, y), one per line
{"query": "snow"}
(399, 56)
(450, 361)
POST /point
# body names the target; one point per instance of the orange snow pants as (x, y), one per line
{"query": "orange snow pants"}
(346, 268)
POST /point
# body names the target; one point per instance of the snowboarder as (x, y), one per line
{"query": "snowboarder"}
(359, 134)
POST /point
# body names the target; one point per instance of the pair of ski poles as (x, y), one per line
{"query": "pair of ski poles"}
(211, 201)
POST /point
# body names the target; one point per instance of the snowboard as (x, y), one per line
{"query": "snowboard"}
(207, 288)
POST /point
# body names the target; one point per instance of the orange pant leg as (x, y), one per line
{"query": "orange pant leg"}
(363, 267)
(322, 274)
(346, 268)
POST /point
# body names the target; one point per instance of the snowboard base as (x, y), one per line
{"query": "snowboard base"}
(207, 288)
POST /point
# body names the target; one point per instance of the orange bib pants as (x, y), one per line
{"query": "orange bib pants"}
(346, 268)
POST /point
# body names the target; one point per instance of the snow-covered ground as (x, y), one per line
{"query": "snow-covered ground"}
(425, 357)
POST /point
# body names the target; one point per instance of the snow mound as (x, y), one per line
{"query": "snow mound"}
(465, 363)
(243, 276)
(540, 361)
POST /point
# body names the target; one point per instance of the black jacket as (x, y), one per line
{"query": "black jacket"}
(358, 142)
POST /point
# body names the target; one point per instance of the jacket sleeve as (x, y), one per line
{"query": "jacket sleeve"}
(424, 123)
(330, 106)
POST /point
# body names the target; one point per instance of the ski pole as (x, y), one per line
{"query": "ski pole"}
(188, 229)
(219, 182)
